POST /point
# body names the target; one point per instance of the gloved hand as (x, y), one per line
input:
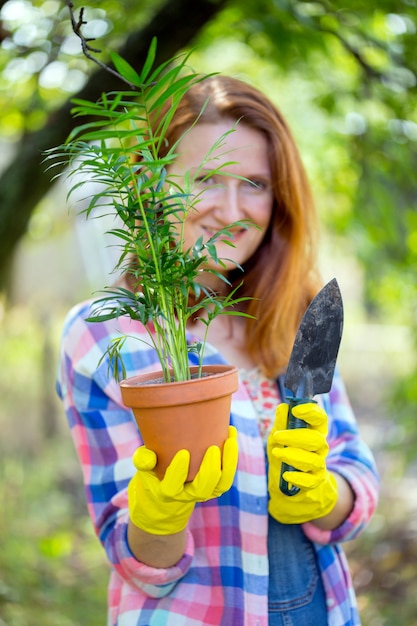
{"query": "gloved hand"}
(306, 450)
(163, 507)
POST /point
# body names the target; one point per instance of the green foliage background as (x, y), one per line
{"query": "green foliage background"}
(345, 77)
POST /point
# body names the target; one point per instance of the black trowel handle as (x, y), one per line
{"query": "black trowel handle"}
(293, 422)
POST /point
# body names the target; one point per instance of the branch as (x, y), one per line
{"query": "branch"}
(369, 71)
(367, 68)
(86, 48)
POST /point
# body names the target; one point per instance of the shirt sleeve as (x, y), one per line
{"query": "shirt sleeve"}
(105, 436)
(350, 457)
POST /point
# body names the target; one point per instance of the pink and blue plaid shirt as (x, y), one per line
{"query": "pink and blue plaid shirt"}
(222, 579)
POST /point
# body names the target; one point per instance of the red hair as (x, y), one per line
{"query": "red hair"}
(282, 276)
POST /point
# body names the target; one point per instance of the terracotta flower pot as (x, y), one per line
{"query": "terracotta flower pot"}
(192, 414)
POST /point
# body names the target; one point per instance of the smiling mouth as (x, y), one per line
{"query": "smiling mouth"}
(231, 236)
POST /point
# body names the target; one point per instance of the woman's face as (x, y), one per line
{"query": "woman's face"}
(223, 199)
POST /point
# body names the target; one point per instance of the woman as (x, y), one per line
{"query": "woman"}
(229, 548)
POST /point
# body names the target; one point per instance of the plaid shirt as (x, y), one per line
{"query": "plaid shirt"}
(222, 578)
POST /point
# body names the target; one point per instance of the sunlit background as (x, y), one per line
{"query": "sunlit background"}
(345, 79)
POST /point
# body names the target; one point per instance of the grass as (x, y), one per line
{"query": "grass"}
(52, 568)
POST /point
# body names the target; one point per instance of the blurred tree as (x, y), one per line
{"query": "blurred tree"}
(359, 57)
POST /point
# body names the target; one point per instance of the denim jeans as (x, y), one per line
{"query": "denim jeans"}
(296, 595)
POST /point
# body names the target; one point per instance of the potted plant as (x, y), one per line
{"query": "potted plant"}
(118, 147)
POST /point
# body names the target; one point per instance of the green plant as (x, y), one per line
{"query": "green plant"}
(119, 148)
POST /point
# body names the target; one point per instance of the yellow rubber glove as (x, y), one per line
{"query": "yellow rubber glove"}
(163, 507)
(306, 450)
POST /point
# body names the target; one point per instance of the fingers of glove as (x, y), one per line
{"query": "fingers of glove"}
(300, 459)
(303, 438)
(204, 483)
(175, 476)
(313, 414)
(144, 459)
(153, 515)
(281, 417)
(229, 463)
(304, 480)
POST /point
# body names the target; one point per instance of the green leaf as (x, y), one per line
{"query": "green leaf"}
(180, 86)
(125, 69)
(147, 66)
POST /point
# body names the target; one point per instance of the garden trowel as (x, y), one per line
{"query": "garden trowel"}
(313, 358)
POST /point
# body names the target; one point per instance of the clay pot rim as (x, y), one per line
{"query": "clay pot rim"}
(222, 381)
(217, 370)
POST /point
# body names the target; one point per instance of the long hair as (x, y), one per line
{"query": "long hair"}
(281, 276)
